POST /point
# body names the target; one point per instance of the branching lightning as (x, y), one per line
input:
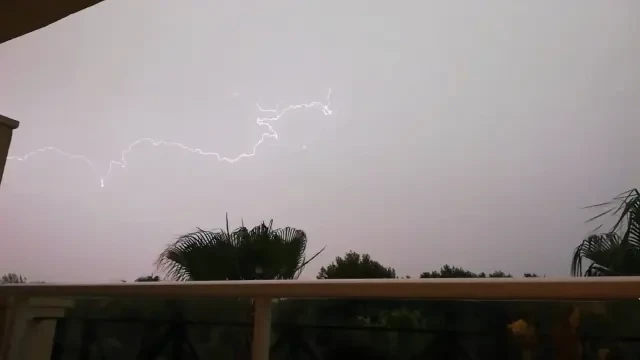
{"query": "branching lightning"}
(122, 162)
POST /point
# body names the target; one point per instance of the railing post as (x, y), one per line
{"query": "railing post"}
(32, 326)
(261, 329)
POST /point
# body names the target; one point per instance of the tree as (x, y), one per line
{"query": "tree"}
(498, 274)
(12, 278)
(148, 278)
(450, 272)
(356, 266)
(242, 254)
(616, 252)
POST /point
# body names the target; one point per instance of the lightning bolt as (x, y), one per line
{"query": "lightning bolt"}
(122, 163)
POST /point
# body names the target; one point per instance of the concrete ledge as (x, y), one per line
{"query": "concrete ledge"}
(8, 122)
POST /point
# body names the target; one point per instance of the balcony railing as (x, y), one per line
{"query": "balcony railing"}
(576, 318)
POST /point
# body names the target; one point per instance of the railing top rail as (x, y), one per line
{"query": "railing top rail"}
(603, 288)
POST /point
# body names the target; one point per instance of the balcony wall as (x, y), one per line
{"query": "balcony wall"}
(7, 126)
(375, 319)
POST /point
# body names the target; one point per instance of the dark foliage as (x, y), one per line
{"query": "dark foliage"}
(148, 278)
(241, 254)
(356, 266)
(13, 278)
(617, 251)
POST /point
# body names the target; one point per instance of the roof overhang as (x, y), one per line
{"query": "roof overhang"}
(20, 17)
(8, 122)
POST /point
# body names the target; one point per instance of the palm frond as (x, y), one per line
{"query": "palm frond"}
(630, 218)
(628, 205)
(599, 249)
(608, 211)
(307, 261)
(597, 205)
(201, 255)
(598, 270)
(616, 252)
(626, 194)
(596, 229)
(242, 254)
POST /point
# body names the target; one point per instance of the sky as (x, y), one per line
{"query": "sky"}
(463, 133)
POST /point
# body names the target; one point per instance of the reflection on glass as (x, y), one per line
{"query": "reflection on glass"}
(351, 329)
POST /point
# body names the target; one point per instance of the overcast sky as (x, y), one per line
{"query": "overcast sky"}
(467, 133)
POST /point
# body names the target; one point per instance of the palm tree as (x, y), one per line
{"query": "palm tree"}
(616, 252)
(241, 254)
